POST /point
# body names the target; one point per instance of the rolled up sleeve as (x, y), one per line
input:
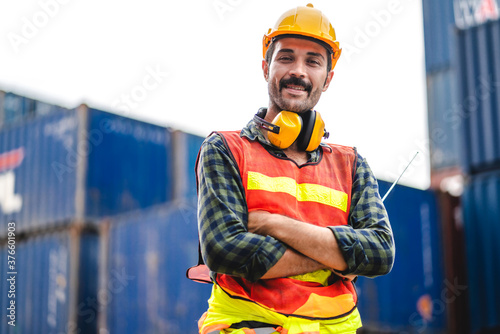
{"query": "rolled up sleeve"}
(367, 243)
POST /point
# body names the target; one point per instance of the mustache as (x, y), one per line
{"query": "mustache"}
(296, 82)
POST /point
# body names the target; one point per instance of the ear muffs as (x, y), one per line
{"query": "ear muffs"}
(313, 130)
(287, 127)
(290, 125)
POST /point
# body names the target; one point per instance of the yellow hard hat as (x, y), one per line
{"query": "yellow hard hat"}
(306, 21)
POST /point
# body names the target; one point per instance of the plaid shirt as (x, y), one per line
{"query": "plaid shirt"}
(227, 247)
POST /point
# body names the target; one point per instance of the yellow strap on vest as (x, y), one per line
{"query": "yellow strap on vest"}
(224, 311)
(302, 192)
(318, 276)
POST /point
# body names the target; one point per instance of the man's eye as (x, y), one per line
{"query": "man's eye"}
(314, 62)
(285, 58)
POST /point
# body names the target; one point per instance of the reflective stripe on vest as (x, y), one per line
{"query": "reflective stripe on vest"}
(302, 192)
(318, 193)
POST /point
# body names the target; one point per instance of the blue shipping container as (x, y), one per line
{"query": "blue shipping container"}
(479, 97)
(471, 13)
(51, 281)
(193, 146)
(442, 18)
(83, 164)
(443, 123)
(481, 212)
(410, 298)
(439, 23)
(129, 164)
(15, 109)
(151, 252)
(185, 152)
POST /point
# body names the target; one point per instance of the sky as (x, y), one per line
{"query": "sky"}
(195, 66)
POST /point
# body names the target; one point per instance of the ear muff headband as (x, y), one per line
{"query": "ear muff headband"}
(287, 127)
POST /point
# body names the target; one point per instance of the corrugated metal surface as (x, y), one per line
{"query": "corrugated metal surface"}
(30, 156)
(438, 32)
(470, 13)
(129, 164)
(2, 112)
(48, 268)
(151, 251)
(4, 289)
(15, 109)
(443, 123)
(193, 146)
(479, 96)
(481, 205)
(453, 236)
(410, 298)
(87, 307)
(81, 164)
(185, 152)
(442, 17)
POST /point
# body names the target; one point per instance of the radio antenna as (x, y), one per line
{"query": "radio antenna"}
(395, 182)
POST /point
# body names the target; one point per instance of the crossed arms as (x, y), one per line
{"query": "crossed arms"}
(311, 247)
(263, 245)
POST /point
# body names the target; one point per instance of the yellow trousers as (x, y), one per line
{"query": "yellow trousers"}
(224, 311)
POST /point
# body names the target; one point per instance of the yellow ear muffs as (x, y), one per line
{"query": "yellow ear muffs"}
(313, 130)
(290, 125)
(317, 134)
(306, 128)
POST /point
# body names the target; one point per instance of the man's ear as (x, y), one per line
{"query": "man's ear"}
(265, 69)
(329, 77)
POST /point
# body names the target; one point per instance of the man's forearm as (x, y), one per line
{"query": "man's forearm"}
(317, 243)
(292, 263)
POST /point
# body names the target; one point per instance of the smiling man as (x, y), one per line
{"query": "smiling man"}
(287, 222)
(298, 67)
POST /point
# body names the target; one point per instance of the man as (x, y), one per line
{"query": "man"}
(285, 222)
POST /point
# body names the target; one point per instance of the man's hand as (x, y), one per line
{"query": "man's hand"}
(348, 277)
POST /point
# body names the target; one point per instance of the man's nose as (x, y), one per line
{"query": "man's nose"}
(298, 69)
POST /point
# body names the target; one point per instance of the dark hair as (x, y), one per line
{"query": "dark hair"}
(272, 46)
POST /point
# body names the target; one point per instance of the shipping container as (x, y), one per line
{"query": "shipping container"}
(453, 236)
(481, 212)
(478, 109)
(471, 13)
(439, 23)
(82, 164)
(49, 283)
(129, 164)
(442, 18)
(410, 298)
(2, 112)
(145, 283)
(185, 152)
(15, 109)
(440, 59)
(443, 127)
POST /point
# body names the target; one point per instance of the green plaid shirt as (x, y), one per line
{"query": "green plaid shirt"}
(227, 247)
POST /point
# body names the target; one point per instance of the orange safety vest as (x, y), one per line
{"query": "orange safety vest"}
(318, 193)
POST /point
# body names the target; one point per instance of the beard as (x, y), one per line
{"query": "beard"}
(298, 104)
